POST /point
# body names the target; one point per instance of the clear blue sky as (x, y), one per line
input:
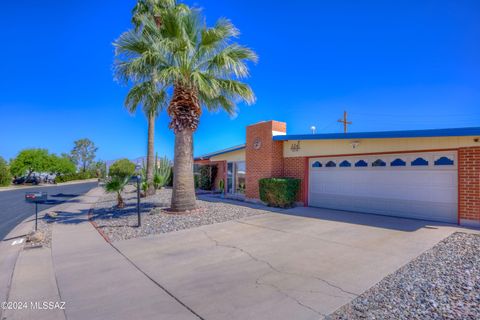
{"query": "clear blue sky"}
(391, 64)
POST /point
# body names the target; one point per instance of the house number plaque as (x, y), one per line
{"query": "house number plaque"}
(295, 147)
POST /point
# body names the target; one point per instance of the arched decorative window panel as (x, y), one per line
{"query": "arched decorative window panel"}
(316, 164)
(379, 163)
(419, 162)
(398, 163)
(345, 164)
(330, 164)
(444, 161)
(361, 163)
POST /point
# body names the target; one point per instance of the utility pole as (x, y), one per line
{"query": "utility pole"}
(345, 121)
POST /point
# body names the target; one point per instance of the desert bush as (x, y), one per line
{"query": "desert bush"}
(162, 172)
(5, 176)
(279, 192)
(74, 176)
(122, 168)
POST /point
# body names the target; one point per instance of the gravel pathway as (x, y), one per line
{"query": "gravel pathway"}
(442, 283)
(121, 224)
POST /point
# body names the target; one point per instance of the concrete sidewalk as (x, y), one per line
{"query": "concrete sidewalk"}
(88, 274)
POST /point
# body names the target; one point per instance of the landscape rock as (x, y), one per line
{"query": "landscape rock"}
(442, 283)
(121, 224)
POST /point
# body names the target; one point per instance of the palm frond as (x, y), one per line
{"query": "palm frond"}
(217, 35)
(149, 95)
(231, 60)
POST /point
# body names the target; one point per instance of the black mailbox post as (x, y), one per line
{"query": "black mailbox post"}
(36, 197)
(138, 180)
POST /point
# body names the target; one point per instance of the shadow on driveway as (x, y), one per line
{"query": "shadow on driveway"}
(357, 218)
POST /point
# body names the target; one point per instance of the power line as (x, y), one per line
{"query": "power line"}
(402, 115)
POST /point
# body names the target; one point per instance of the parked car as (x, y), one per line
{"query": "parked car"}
(22, 180)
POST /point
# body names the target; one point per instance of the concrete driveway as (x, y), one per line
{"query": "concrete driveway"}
(302, 263)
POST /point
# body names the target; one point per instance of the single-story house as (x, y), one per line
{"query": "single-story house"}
(423, 174)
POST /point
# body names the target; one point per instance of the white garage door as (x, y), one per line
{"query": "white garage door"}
(413, 185)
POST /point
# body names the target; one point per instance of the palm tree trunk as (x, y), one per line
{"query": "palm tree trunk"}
(183, 196)
(150, 154)
(120, 202)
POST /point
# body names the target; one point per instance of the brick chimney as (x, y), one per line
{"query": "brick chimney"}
(264, 157)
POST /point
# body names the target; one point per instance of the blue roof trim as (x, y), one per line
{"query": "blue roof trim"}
(453, 132)
(217, 153)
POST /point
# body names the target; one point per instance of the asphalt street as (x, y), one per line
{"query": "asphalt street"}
(14, 209)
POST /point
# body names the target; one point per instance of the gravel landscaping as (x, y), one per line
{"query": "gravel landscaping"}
(442, 283)
(121, 224)
(43, 236)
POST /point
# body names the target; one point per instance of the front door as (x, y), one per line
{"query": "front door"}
(236, 177)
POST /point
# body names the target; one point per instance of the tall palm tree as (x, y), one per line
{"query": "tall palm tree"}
(146, 91)
(197, 66)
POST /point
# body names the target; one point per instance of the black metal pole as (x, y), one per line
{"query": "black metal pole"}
(138, 201)
(36, 215)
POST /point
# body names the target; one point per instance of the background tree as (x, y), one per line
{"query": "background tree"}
(100, 169)
(83, 153)
(29, 161)
(197, 65)
(61, 165)
(122, 168)
(5, 176)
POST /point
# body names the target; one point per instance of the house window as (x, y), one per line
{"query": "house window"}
(398, 163)
(419, 162)
(444, 161)
(345, 164)
(316, 164)
(361, 163)
(330, 164)
(379, 163)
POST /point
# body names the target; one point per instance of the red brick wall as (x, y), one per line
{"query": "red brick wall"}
(296, 168)
(469, 185)
(267, 161)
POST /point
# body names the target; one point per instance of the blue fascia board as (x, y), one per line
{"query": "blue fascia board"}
(214, 154)
(453, 132)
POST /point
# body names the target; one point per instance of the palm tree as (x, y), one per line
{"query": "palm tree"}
(116, 185)
(146, 91)
(197, 66)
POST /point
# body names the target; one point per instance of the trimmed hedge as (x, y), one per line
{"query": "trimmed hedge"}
(279, 192)
(74, 176)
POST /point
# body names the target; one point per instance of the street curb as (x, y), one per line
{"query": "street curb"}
(48, 185)
(95, 225)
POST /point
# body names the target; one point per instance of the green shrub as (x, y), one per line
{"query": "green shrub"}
(207, 175)
(196, 181)
(221, 185)
(61, 165)
(5, 176)
(74, 176)
(122, 168)
(279, 192)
